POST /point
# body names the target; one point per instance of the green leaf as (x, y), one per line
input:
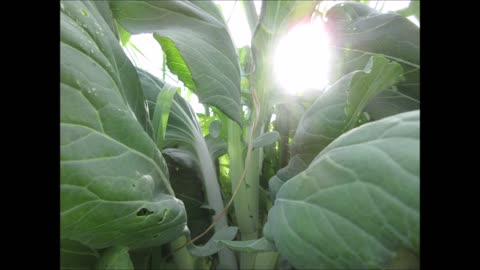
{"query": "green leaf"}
(124, 34)
(162, 110)
(215, 128)
(175, 62)
(115, 258)
(213, 245)
(357, 32)
(258, 245)
(334, 112)
(343, 212)
(362, 90)
(266, 139)
(198, 46)
(110, 169)
(74, 255)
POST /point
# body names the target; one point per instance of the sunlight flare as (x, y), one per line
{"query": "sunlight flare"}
(302, 58)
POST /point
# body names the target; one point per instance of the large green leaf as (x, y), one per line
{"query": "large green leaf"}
(335, 112)
(198, 46)
(357, 32)
(185, 133)
(114, 181)
(357, 204)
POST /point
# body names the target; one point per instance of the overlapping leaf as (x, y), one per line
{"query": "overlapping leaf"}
(335, 112)
(114, 181)
(357, 205)
(357, 32)
(197, 44)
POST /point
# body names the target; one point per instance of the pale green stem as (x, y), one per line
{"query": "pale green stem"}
(246, 207)
(250, 13)
(214, 196)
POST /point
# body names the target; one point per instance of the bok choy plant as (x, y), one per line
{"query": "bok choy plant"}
(260, 180)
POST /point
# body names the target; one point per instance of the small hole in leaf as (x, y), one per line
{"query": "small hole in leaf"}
(133, 185)
(144, 212)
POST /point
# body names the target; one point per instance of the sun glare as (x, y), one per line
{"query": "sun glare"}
(302, 57)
